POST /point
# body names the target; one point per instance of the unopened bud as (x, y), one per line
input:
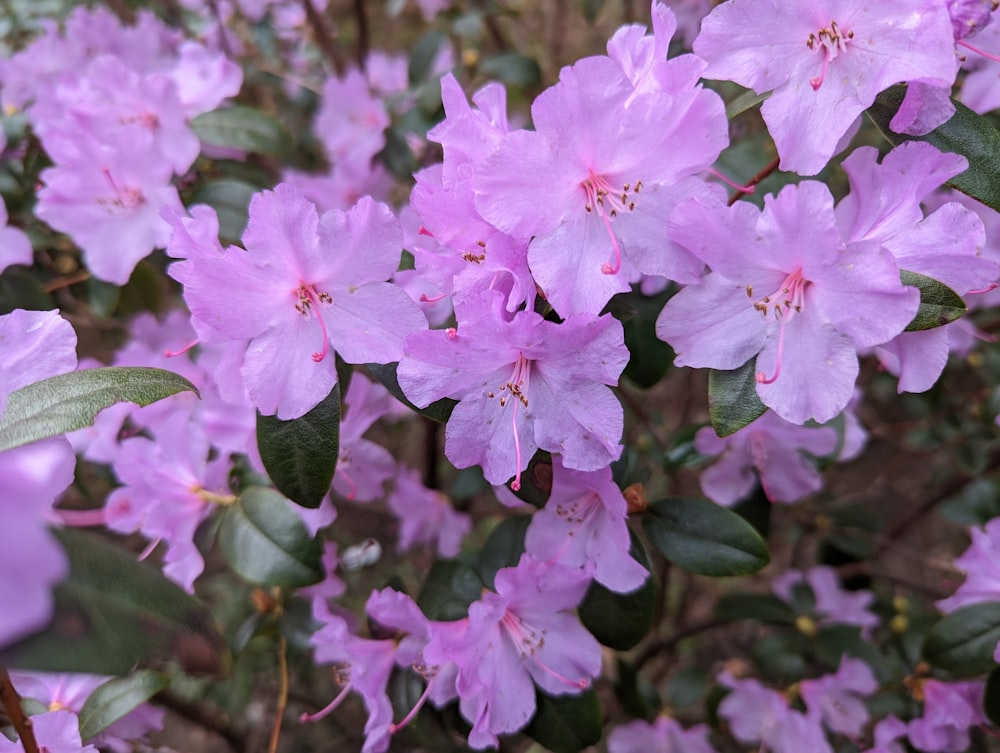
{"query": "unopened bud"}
(635, 496)
(899, 624)
(805, 625)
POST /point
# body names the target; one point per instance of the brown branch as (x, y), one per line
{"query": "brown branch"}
(65, 282)
(12, 703)
(361, 16)
(668, 644)
(282, 693)
(213, 722)
(768, 169)
(323, 37)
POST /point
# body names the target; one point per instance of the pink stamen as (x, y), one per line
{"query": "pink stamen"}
(611, 269)
(310, 299)
(326, 710)
(731, 183)
(149, 549)
(353, 493)
(181, 351)
(831, 41)
(608, 201)
(527, 642)
(435, 299)
(425, 231)
(761, 377)
(987, 289)
(516, 483)
(82, 518)
(394, 728)
(978, 51)
(817, 81)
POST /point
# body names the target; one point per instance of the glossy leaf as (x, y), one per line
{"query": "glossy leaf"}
(745, 101)
(536, 480)
(244, 128)
(620, 621)
(264, 540)
(732, 398)
(766, 608)
(703, 537)
(385, 373)
(650, 357)
(991, 696)
(71, 401)
(301, 455)
(114, 613)
(118, 697)
(503, 548)
(939, 304)
(967, 133)
(448, 590)
(566, 723)
(964, 640)
(230, 198)
(513, 69)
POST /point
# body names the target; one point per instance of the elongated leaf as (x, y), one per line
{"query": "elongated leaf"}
(650, 357)
(71, 401)
(264, 540)
(704, 538)
(963, 641)
(732, 398)
(967, 133)
(566, 723)
(386, 374)
(939, 304)
(243, 128)
(113, 613)
(745, 101)
(116, 698)
(620, 621)
(301, 455)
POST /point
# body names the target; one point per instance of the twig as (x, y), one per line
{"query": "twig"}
(65, 282)
(282, 693)
(770, 168)
(668, 644)
(865, 568)
(213, 722)
(362, 18)
(323, 37)
(12, 703)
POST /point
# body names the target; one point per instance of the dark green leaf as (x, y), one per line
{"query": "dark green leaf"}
(939, 304)
(513, 69)
(423, 56)
(835, 641)
(397, 156)
(386, 374)
(71, 401)
(301, 455)
(536, 481)
(566, 723)
(620, 621)
(991, 697)
(20, 289)
(230, 199)
(735, 607)
(704, 538)
(650, 357)
(503, 548)
(967, 133)
(782, 656)
(635, 692)
(242, 128)
(113, 613)
(264, 540)
(732, 398)
(963, 641)
(448, 590)
(116, 698)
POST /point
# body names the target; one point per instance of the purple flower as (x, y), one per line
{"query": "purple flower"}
(363, 467)
(825, 62)
(832, 604)
(787, 287)
(523, 632)
(55, 732)
(836, 699)
(950, 709)
(15, 246)
(664, 735)
(306, 284)
(426, 515)
(981, 564)
(522, 383)
(583, 525)
(36, 345)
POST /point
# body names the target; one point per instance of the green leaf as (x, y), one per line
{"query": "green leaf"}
(301, 455)
(939, 304)
(991, 696)
(243, 128)
(620, 621)
(230, 199)
(448, 590)
(513, 69)
(963, 641)
(116, 698)
(745, 101)
(536, 481)
(20, 289)
(736, 607)
(385, 373)
(397, 156)
(703, 537)
(71, 401)
(264, 540)
(503, 548)
(967, 133)
(566, 723)
(732, 398)
(650, 357)
(113, 613)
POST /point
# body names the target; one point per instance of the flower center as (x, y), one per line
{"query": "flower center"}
(527, 640)
(785, 302)
(123, 198)
(516, 386)
(830, 41)
(308, 300)
(608, 202)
